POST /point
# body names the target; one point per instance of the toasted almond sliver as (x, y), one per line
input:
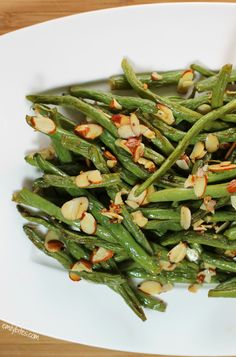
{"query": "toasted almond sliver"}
(233, 201)
(231, 187)
(125, 131)
(225, 163)
(145, 131)
(148, 164)
(137, 199)
(52, 242)
(81, 265)
(101, 255)
(189, 181)
(193, 288)
(220, 167)
(43, 124)
(75, 208)
(120, 119)
(132, 204)
(156, 76)
(94, 176)
(138, 152)
(166, 287)
(115, 105)
(212, 143)
(89, 131)
(112, 215)
(186, 81)
(183, 164)
(185, 217)
(88, 223)
(118, 199)
(82, 180)
(167, 266)
(111, 163)
(178, 253)
(135, 125)
(205, 275)
(139, 218)
(150, 287)
(150, 190)
(208, 204)
(108, 155)
(198, 151)
(200, 186)
(165, 114)
(122, 144)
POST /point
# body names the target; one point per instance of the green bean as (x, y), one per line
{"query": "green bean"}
(231, 233)
(224, 136)
(229, 118)
(151, 302)
(194, 103)
(209, 83)
(161, 214)
(225, 289)
(202, 70)
(180, 112)
(75, 103)
(209, 239)
(220, 263)
(181, 147)
(183, 194)
(221, 216)
(38, 240)
(77, 251)
(170, 77)
(221, 176)
(220, 86)
(153, 156)
(163, 226)
(108, 180)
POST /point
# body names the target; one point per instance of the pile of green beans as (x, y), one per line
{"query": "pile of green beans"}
(147, 219)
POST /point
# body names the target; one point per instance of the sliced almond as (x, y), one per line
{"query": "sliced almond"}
(139, 219)
(125, 131)
(212, 143)
(108, 155)
(145, 131)
(132, 144)
(205, 275)
(231, 187)
(225, 163)
(166, 287)
(75, 208)
(81, 265)
(52, 242)
(193, 288)
(48, 153)
(82, 180)
(89, 131)
(208, 204)
(88, 223)
(150, 287)
(115, 217)
(167, 266)
(94, 176)
(135, 125)
(123, 144)
(101, 255)
(198, 151)
(185, 81)
(150, 190)
(148, 164)
(178, 253)
(197, 226)
(220, 167)
(156, 76)
(189, 181)
(137, 199)
(111, 163)
(145, 86)
(200, 186)
(138, 152)
(192, 255)
(230, 253)
(185, 217)
(165, 114)
(118, 198)
(43, 124)
(115, 105)
(131, 204)
(233, 201)
(183, 162)
(120, 119)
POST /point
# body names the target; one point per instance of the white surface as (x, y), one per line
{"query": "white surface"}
(82, 48)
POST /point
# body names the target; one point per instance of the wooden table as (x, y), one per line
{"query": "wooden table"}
(15, 14)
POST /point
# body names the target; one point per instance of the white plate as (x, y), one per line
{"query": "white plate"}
(34, 294)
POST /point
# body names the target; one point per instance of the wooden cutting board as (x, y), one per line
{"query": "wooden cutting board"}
(15, 14)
